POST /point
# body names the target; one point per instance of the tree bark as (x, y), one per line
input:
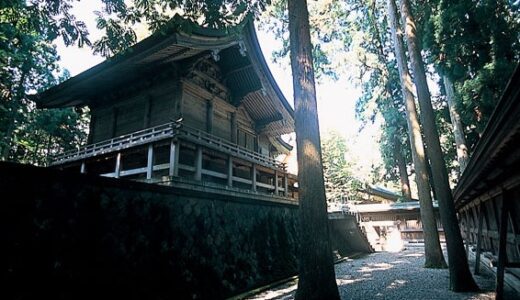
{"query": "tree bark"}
(432, 248)
(403, 173)
(460, 276)
(317, 279)
(458, 130)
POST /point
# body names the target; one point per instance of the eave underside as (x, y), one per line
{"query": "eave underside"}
(246, 75)
(496, 158)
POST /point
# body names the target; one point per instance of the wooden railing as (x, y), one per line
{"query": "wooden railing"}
(178, 136)
(162, 132)
(205, 139)
(119, 143)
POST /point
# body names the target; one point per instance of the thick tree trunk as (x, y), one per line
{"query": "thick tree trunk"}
(317, 279)
(458, 131)
(460, 276)
(432, 247)
(403, 173)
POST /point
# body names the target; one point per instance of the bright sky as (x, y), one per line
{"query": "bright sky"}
(336, 99)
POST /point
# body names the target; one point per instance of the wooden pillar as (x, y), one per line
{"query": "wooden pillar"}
(198, 163)
(149, 165)
(234, 127)
(83, 169)
(479, 238)
(489, 240)
(466, 217)
(253, 177)
(286, 185)
(276, 189)
(209, 116)
(230, 171)
(502, 251)
(174, 159)
(117, 170)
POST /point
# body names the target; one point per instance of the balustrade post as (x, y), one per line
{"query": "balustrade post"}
(253, 177)
(149, 165)
(117, 170)
(198, 163)
(174, 158)
(83, 167)
(230, 171)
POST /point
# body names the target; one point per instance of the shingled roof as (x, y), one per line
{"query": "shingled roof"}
(238, 54)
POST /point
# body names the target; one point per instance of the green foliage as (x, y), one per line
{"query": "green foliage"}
(340, 181)
(28, 63)
(329, 24)
(118, 17)
(476, 44)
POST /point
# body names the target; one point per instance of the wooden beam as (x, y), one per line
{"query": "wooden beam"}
(490, 245)
(174, 159)
(198, 163)
(230, 171)
(502, 251)
(468, 235)
(149, 165)
(475, 218)
(276, 189)
(234, 127)
(513, 216)
(262, 123)
(209, 116)
(286, 184)
(253, 177)
(479, 238)
(117, 170)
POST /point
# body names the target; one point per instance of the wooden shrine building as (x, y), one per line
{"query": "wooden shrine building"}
(190, 103)
(488, 194)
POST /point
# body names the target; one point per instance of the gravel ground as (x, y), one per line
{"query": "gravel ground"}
(387, 275)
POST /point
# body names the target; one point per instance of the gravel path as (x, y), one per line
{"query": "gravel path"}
(386, 275)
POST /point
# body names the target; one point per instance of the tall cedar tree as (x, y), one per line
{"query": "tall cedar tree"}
(317, 278)
(460, 276)
(432, 248)
(456, 123)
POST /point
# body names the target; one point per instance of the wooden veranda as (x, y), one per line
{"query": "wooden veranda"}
(170, 150)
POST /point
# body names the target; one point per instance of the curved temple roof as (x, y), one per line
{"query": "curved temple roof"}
(236, 50)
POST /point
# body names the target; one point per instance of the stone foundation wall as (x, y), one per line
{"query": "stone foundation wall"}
(73, 236)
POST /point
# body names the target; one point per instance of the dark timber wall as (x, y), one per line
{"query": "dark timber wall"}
(76, 236)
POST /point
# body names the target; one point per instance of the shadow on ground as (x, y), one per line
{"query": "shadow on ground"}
(387, 275)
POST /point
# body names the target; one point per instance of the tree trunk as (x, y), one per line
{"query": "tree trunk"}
(317, 279)
(432, 247)
(458, 131)
(403, 173)
(460, 276)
